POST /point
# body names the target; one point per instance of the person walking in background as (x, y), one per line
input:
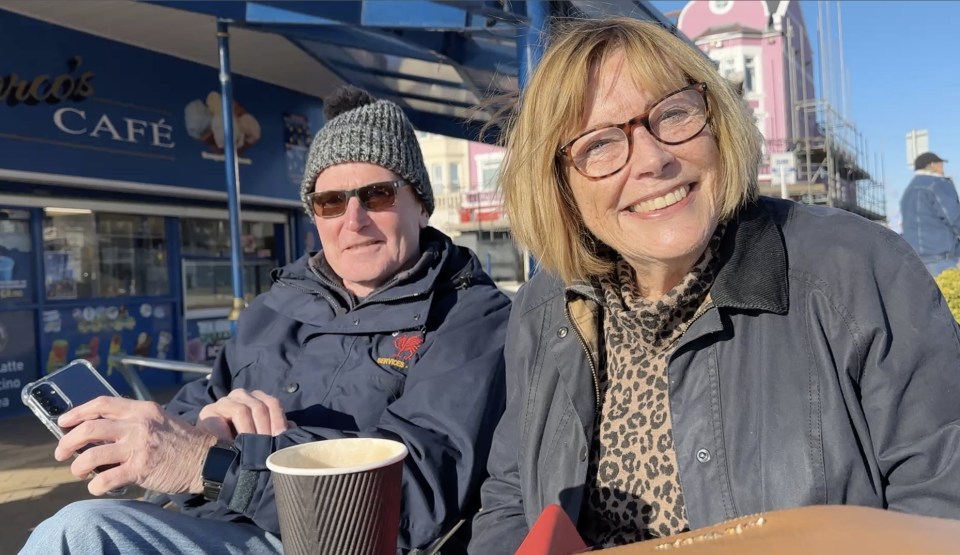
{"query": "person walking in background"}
(691, 352)
(390, 330)
(931, 214)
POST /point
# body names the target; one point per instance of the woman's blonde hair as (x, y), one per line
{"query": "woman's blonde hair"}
(543, 214)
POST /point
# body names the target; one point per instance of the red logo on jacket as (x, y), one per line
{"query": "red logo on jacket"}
(407, 346)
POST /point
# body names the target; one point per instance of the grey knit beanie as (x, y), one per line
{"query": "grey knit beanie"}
(360, 128)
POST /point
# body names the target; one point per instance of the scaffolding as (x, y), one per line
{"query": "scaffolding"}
(829, 157)
(831, 161)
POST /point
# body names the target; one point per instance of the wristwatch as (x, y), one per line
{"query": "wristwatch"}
(215, 467)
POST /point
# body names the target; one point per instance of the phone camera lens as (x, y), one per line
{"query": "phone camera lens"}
(54, 410)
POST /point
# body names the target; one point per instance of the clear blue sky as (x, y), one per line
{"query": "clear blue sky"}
(901, 58)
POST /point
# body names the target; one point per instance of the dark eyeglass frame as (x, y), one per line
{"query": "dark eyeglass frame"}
(627, 127)
(359, 193)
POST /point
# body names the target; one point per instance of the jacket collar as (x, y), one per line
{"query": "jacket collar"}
(754, 272)
(304, 294)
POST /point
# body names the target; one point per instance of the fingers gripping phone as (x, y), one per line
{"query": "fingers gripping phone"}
(69, 387)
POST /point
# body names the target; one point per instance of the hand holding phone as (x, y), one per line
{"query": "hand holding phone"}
(122, 441)
(69, 387)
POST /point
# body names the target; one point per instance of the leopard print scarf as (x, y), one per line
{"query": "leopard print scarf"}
(633, 489)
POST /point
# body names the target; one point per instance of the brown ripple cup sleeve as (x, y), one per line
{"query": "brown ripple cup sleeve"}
(339, 496)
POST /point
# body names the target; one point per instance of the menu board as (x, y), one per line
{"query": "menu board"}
(18, 358)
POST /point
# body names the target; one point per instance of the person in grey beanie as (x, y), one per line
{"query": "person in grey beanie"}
(390, 330)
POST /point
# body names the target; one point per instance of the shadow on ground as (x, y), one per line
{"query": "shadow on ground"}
(33, 485)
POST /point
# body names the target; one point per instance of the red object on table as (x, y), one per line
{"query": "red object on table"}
(552, 534)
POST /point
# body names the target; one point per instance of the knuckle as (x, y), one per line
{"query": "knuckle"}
(84, 428)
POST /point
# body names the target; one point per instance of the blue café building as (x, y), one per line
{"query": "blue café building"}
(114, 233)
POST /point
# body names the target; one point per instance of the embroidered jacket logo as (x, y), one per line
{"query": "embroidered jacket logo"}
(407, 346)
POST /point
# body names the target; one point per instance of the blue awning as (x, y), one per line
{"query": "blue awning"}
(438, 60)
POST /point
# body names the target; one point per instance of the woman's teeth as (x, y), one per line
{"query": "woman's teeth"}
(666, 200)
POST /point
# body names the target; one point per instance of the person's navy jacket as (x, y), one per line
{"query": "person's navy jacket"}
(420, 360)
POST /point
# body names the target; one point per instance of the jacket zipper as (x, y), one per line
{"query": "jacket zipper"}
(593, 366)
(330, 300)
(318, 292)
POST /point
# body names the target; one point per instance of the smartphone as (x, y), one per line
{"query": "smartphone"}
(70, 386)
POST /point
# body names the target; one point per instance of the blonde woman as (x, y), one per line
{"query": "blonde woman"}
(691, 352)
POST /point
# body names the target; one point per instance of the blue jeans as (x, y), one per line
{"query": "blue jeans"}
(115, 526)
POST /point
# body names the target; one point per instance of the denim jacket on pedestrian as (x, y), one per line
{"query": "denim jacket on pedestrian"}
(931, 218)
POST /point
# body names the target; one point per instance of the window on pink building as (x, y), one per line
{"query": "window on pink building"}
(749, 74)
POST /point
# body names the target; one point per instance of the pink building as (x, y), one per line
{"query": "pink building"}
(763, 45)
(811, 153)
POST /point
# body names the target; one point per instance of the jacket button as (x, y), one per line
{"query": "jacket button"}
(703, 455)
(583, 453)
(562, 332)
(356, 321)
(292, 387)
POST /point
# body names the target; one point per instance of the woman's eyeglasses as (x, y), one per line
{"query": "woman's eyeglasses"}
(674, 119)
(374, 197)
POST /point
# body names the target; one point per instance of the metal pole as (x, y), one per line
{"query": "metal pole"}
(529, 51)
(230, 164)
(530, 43)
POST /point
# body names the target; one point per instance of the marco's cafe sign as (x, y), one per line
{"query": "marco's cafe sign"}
(77, 84)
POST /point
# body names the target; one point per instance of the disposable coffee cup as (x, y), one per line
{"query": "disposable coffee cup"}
(339, 496)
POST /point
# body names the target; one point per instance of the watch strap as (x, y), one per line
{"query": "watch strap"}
(215, 467)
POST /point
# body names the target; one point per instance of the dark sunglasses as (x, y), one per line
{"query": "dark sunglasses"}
(374, 197)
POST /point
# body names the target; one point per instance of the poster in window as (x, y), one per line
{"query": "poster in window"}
(205, 339)
(100, 333)
(16, 257)
(296, 139)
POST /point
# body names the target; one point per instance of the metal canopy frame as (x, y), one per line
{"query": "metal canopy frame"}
(437, 59)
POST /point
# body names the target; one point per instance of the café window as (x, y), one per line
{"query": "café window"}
(207, 269)
(92, 255)
(209, 283)
(211, 238)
